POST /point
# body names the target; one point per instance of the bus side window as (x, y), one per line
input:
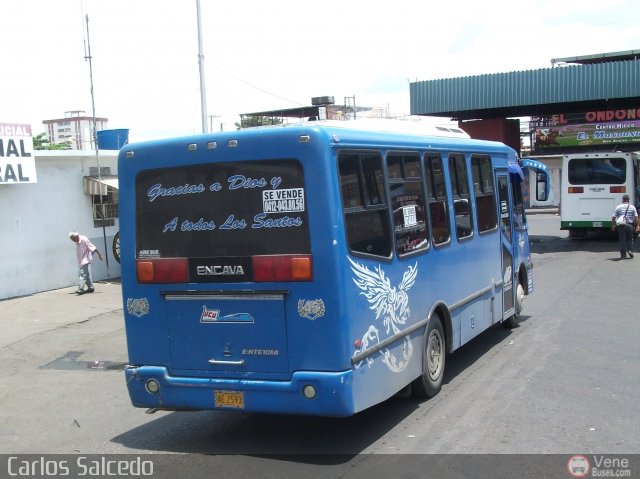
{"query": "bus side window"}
(459, 179)
(503, 194)
(438, 212)
(364, 202)
(518, 204)
(407, 202)
(482, 176)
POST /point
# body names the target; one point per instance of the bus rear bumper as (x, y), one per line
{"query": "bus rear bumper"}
(585, 225)
(153, 387)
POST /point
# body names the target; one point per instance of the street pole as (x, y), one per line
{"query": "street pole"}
(203, 90)
(211, 117)
(95, 145)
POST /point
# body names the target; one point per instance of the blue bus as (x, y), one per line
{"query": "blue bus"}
(315, 269)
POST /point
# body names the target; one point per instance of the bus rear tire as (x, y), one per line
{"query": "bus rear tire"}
(433, 361)
(577, 233)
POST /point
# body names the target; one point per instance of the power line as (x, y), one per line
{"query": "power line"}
(280, 97)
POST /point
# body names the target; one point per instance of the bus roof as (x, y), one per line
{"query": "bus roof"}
(387, 125)
(368, 130)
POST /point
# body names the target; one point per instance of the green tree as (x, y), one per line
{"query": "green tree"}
(41, 142)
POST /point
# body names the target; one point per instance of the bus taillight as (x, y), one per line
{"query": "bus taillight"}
(162, 270)
(576, 189)
(618, 189)
(286, 267)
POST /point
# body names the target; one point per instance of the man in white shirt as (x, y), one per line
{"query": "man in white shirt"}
(625, 219)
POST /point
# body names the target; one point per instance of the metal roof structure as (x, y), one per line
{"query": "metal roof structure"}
(598, 58)
(298, 112)
(322, 108)
(593, 82)
(312, 111)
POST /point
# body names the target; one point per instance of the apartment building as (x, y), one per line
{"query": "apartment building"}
(75, 129)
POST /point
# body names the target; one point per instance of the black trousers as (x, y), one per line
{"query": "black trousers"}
(625, 239)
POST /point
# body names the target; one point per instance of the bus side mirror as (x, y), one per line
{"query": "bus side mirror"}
(542, 190)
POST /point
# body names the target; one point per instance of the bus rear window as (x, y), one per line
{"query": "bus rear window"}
(222, 210)
(597, 171)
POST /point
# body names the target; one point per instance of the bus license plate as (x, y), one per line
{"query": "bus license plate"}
(232, 399)
(597, 224)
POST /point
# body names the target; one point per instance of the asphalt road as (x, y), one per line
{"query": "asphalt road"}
(566, 381)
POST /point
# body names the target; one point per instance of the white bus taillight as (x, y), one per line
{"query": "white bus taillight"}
(162, 270)
(287, 267)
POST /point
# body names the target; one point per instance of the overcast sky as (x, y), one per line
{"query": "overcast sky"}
(262, 55)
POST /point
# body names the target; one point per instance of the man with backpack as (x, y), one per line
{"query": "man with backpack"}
(625, 219)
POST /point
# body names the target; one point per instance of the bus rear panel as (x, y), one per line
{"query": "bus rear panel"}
(225, 275)
(592, 186)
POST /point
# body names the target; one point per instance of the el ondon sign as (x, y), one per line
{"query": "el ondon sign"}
(588, 129)
(16, 154)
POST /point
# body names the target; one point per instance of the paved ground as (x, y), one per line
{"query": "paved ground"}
(29, 315)
(564, 382)
(61, 385)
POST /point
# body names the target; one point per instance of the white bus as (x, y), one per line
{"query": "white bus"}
(592, 186)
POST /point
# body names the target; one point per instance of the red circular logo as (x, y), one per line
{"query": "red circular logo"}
(578, 466)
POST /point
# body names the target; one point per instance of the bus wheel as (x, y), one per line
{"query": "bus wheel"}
(115, 247)
(433, 360)
(513, 321)
(575, 233)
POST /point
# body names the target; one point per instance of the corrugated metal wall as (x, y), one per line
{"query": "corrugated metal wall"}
(533, 87)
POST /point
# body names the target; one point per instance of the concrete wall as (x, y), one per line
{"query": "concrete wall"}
(35, 220)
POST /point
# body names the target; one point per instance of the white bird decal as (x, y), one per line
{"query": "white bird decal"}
(389, 303)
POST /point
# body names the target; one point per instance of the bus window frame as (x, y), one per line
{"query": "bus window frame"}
(517, 208)
(432, 195)
(405, 178)
(480, 157)
(573, 179)
(451, 165)
(384, 206)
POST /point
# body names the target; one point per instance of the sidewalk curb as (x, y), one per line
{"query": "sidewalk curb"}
(542, 211)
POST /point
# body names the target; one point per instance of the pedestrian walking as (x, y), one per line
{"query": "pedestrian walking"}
(625, 220)
(85, 250)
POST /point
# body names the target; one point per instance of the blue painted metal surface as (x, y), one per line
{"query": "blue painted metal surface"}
(308, 332)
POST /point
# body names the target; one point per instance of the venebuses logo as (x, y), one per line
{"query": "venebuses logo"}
(599, 466)
(578, 466)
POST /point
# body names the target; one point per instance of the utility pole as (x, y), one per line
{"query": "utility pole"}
(350, 103)
(203, 89)
(95, 145)
(211, 117)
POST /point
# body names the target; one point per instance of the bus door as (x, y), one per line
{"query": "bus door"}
(506, 244)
